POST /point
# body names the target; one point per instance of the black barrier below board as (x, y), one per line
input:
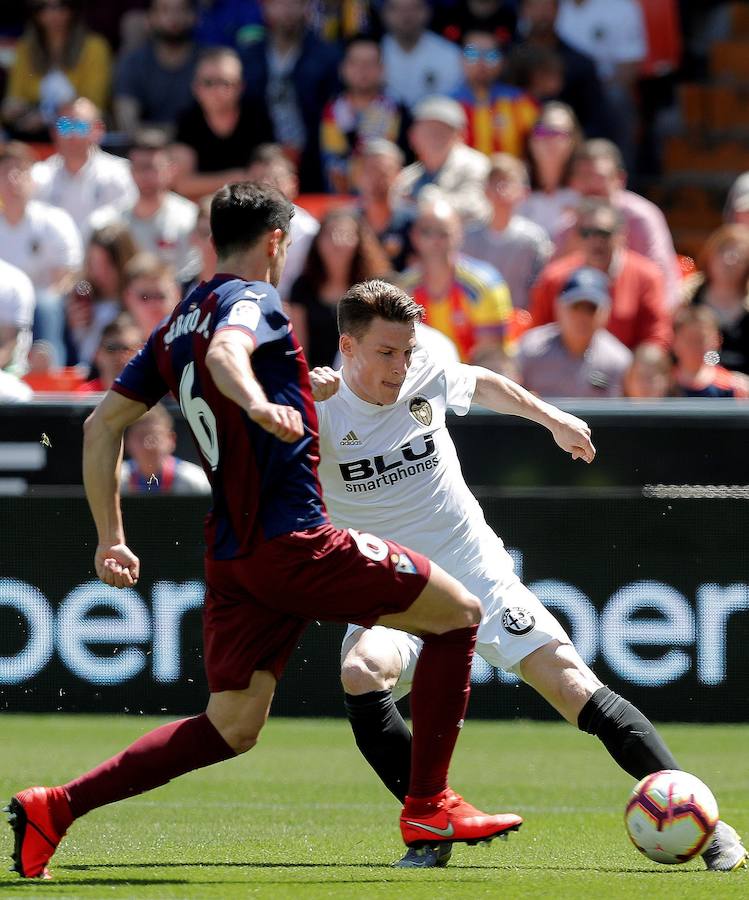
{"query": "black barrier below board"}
(654, 593)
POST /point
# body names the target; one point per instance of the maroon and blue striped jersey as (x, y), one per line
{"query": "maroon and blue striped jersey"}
(262, 487)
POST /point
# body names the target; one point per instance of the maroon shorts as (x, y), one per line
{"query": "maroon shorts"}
(257, 607)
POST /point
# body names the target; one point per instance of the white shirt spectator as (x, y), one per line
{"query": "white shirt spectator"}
(13, 390)
(610, 31)
(104, 180)
(304, 227)
(433, 66)
(17, 312)
(43, 244)
(166, 233)
(461, 179)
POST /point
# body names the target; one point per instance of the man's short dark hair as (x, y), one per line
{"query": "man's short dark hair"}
(375, 299)
(242, 212)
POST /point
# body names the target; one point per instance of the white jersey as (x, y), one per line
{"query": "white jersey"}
(394, 471)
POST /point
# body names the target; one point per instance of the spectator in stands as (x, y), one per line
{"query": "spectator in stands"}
(723, 286)
(360, 113)
(216, 135)
(152, 467)
(551, 145)
(649, 375)
(465, 299)
(16, 319)
(455, 19)
(269, 164)
(575, 356)
(96, 298)
(159, 220)
(39, 239)
(228, 23)
(639, 313)
(119, 342)
(612, 32)
(150, 291)
(498, 115)
(294, 73)
(598, 171)
(153, 82)
(377, 167)
(514, 245)
(443, 159)
(343, 252)
(57, 60)
(124, 23)
(202, 245)
(418, 63)
(340, 20)
(80, 177)
(736, 210)
(581, 87)
(538, 72)
(696, 346)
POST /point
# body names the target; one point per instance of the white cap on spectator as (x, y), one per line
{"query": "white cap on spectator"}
(441, 109)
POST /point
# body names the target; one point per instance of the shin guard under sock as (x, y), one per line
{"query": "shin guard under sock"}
(630, 738)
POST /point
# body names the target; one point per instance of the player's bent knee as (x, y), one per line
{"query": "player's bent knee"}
(241, 738)
(363, 674)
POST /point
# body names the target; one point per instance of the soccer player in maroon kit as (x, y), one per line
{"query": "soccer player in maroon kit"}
(273, 560)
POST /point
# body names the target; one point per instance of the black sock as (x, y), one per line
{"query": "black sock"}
(383, 738)
(630, 738)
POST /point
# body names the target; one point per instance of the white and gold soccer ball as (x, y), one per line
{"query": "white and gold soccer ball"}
(671, 816)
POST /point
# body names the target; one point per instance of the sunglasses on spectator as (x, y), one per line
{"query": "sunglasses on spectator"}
(546, 131)
(67, 127)
(586, 231)
(121, 348)
(473, 54)
(217, 82)
(42, 5)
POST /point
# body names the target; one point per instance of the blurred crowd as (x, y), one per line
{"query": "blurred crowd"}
(477, 152)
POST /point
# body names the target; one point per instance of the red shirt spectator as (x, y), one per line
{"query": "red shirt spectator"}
(638, 306)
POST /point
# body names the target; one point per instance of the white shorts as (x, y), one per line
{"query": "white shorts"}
(514, 624)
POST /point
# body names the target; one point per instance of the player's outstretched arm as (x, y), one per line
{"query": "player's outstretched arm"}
(228, 361)
(500, 394)
(115, 563)
(325, 383)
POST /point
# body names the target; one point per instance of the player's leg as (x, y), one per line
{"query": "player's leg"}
(371, 666)
(246, 647)
(231, 724)
(558, 673)
(446, 616)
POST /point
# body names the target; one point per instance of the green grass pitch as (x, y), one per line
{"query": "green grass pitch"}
(301, 816)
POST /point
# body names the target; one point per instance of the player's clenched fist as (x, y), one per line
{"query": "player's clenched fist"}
(325, 382)
(117, 565)
(573, 435)
(283, 422)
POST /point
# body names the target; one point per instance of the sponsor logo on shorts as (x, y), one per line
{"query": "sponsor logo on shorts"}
(403, 563)
(421, 410)
(518, 621)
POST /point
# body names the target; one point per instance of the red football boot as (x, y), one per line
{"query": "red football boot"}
(35, 815)
(447, 817)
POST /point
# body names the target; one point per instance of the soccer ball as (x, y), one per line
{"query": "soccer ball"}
(671, 816)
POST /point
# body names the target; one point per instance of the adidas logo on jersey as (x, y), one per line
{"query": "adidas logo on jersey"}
(350, 440)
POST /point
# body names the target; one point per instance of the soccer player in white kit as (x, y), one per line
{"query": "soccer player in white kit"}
(388, 464)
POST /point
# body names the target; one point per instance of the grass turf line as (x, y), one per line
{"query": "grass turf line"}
(301, 815)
